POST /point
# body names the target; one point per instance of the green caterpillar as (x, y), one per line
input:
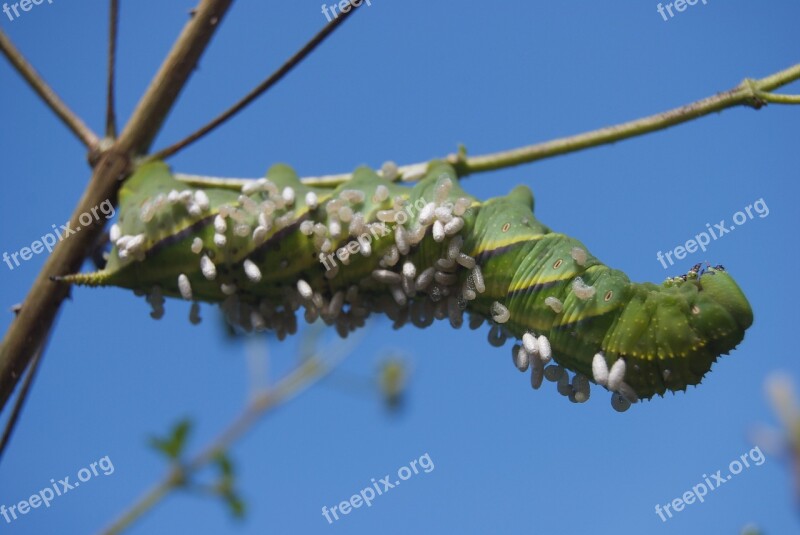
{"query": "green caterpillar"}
(419, 254)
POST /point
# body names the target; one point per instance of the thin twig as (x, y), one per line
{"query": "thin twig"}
(44, 300)
(23, 394)
(752, 93)
(406, 173)
(748, 93)
(777, 98)
(310, 371)
(46, 93)
(147, 502)
(260, 89)
(113, 25)
(162, 93)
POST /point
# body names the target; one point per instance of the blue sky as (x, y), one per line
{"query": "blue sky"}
(408, 81)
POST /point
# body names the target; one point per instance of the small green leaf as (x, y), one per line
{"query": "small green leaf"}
(224, 464)
(235, 504)
(174, 444)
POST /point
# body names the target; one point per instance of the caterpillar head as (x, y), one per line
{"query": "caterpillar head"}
(670, 335)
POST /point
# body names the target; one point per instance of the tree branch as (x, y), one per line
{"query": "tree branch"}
(46, 93)
(260, 89)
(753, 93)
(39, 310)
